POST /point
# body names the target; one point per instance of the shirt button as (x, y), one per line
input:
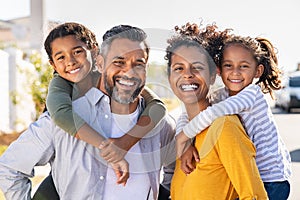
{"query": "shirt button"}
(101, 177)
(106, 116)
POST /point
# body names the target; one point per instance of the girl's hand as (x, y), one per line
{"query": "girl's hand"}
(189, 159)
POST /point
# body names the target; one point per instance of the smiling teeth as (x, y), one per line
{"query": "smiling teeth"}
(74, 71)
(189, 87)
(236, 81)
(128, 83)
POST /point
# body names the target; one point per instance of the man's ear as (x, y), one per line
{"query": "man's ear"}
(100, 63)
(259, 71)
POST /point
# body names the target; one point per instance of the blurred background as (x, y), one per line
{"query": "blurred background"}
(26, 73)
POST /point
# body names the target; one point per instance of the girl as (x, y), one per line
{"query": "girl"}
(242, 60)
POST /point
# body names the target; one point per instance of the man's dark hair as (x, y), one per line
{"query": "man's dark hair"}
(123, 31)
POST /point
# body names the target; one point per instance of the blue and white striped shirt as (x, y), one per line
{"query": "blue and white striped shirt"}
(272, 157)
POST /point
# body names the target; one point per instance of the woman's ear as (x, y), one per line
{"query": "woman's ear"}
(100, 63)
(259, 71)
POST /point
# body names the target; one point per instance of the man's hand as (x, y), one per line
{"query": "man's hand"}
(121, 169)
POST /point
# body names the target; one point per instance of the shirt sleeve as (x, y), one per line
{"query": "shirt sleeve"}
(168, 155)
(236, 104)
(182, 121)
(237, 154)
(16, 167)
(155, 108)
(59, 105)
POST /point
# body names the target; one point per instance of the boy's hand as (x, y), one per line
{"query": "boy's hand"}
(121, 169)
(188, 159)
(112, 150)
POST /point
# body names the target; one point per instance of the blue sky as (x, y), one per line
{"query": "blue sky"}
(275, 20)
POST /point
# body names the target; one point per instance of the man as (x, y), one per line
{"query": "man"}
(113, 108)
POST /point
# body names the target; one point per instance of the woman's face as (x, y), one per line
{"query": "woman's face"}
(189, 75)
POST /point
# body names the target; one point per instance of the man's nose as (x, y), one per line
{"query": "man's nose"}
(188, 73)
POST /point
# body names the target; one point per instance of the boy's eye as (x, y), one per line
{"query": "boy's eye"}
(59, 58)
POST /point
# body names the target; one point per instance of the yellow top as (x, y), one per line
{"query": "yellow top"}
(227, 168)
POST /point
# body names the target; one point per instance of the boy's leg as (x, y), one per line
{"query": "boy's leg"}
(46, 190)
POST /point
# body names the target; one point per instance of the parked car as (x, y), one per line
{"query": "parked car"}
(289, 97)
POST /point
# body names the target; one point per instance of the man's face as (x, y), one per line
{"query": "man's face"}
(124, 70)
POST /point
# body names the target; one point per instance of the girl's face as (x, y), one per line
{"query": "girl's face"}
(70, 58)
(238, 68)
(189, 75)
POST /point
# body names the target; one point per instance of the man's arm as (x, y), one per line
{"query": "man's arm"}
(32, 148)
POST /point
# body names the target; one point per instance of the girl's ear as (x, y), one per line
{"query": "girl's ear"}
(100, 63)
(259, 71)
(218, 71)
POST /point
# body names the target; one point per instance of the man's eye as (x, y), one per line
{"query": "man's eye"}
(118, 62)
(198, 68)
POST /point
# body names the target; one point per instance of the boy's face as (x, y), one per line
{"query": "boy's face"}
(189, 75)
(124, 70)
(71, 59)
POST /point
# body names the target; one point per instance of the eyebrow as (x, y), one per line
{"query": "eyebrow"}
(72, 49)
(143, 60)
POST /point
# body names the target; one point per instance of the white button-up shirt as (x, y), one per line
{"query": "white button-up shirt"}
(77, 169)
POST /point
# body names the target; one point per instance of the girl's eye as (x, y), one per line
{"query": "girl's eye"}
(244, 66)
(227, 65)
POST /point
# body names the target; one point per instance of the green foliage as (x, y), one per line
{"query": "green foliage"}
(39, 85)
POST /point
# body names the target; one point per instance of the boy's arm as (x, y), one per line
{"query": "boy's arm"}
(59, 105)
(154, 112)
(242, 101)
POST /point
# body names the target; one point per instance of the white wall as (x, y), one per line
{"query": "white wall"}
(12, 80)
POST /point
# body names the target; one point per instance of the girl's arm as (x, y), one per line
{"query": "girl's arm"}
(236, 104)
